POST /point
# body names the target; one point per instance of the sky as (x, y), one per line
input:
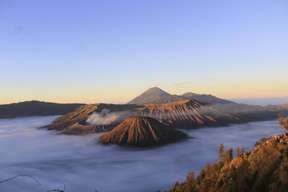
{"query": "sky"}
(110, 51)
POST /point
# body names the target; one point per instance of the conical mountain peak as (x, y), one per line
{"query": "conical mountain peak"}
(154, 95)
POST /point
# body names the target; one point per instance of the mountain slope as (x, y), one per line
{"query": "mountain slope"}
(77, 116)
(35, 108)
(154, 95)
(77, 121)
(265, 169)
(141, 131)
(183, 113)
(206, 98)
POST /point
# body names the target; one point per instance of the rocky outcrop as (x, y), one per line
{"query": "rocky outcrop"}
(265, 169)
(141, 131)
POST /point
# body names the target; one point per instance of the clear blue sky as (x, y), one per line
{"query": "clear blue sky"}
(111, 50)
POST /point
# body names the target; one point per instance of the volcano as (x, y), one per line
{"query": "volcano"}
(183, 113)
(72, 118)
(141, 131)
(154, 95)
(176, 111)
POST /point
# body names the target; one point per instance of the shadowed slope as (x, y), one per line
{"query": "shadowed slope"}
(141, 131)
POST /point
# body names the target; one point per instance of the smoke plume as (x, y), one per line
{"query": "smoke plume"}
(105, 117)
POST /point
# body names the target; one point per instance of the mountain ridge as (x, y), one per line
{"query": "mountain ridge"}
(35, 108)
(206, 98)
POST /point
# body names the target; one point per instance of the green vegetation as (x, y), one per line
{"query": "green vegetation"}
(263, 169)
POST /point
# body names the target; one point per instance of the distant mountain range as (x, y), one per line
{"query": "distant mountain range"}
(151, 96)
(103, 117)
(156, 95)
(204, 98)
(35, 108)
(185, 113)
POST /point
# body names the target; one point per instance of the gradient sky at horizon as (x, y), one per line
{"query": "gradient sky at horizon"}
(110, 51)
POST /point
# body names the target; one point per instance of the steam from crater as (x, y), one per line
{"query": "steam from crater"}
(105, 117)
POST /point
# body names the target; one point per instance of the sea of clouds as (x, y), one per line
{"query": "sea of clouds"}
(80, 163)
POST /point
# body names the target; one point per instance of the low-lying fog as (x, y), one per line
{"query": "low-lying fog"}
(81, 164)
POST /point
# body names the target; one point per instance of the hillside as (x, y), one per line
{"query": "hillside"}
(35, 108)
(265, 169)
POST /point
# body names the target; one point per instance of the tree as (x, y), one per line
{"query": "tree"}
(284, 122)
